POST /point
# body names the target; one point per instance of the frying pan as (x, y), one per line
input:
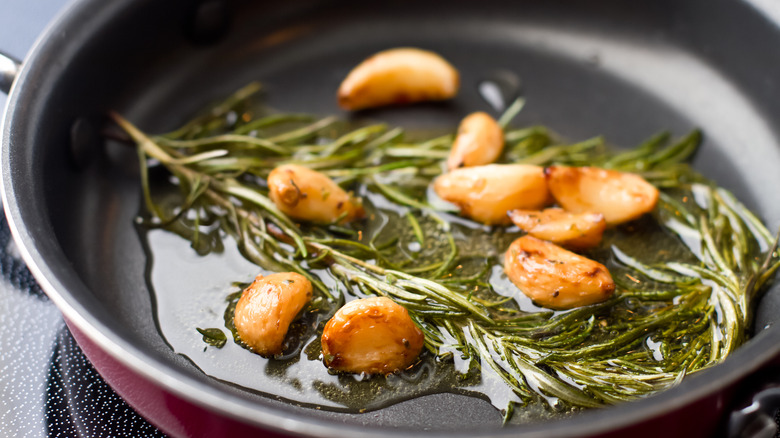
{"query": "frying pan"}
(622, 69)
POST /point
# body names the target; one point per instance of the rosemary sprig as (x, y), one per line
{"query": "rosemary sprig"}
(674, 317)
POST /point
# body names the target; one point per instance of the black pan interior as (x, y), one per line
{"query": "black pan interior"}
(623, 69)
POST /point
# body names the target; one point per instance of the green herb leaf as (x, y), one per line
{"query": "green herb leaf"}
(213, 336)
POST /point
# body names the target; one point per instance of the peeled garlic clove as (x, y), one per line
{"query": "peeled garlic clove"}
(572, 230)
(307, 195)
(486, 193)
(554, 277)
(480, 141)
(619, 196)
(267, 308)
(371, 335)
(398, 76)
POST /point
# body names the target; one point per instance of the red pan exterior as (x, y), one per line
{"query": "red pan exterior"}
(182, 419)
(171, 414)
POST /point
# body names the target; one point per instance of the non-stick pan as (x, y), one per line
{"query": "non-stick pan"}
(622, 69)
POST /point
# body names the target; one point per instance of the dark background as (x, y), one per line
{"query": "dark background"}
(21, 21)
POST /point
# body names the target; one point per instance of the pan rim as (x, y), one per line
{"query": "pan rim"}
(747, 359)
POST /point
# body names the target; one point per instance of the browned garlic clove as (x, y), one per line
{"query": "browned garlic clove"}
(619, 196)
(398, 76)
(572, 230)
(479, 141)
(371, 335)
(267, 308)
(307, 195)
(486, 193)
(554, 277)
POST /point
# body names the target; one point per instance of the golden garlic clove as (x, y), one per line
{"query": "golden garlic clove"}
(486, 193)
(572, 230)
(267, 308)
(371, 335)
(619, 196)
(554, 277)
(307, 195)
(479, 141)
(398, 76)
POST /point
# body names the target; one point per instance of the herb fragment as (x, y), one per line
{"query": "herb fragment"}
(213, 336)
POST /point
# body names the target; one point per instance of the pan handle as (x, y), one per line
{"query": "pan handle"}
(9, 67)
(757, 407)
(758, 419)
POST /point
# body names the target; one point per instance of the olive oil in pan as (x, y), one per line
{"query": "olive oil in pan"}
(585, 356)
(197, 286)
(194, 290)
(499, 88)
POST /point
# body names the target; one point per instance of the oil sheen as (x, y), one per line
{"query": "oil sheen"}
(196, 286)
